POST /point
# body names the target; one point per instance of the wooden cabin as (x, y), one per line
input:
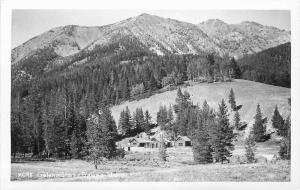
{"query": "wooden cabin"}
(183, 141)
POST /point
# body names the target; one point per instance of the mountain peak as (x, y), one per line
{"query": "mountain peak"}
(214, 22)
(145, 15)
(159, 34)
(251, 23)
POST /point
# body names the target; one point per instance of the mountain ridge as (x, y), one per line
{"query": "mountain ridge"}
(160, 35)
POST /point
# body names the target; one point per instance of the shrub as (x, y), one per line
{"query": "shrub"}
(120, 153)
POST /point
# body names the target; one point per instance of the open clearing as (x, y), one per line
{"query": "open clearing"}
(247, 93)
(144, 165)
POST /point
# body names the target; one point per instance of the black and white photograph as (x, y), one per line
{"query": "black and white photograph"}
(150, 95)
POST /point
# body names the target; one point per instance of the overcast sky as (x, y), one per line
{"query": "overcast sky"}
(29, 23)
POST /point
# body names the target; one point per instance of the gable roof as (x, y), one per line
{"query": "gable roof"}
(183, 138)
(125, 141)
(142, 140)
(133, 139)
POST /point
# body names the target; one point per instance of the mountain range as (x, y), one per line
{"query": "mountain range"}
(157, 34)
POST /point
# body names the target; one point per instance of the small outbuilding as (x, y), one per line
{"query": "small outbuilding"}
(183, 141)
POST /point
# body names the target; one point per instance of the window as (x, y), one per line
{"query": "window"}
(180, 144)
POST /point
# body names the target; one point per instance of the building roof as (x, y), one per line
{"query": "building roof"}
(183, 138)
(125, 141)
(142, 135)
(142, 140)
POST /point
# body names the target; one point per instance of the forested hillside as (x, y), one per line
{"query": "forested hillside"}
(271, 66)
(46, 103)
(51, 104)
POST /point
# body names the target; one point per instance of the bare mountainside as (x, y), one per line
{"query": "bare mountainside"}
(244, 38)
(160, 35)
(247, 93)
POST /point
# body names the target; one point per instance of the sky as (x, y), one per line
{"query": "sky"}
(29, 23)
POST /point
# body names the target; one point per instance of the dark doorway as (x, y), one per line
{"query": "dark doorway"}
(188, 143)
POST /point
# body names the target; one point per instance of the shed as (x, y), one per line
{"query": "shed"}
(183, 141)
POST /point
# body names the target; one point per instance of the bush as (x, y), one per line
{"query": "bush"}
(238, 159)
(284, 151)
(120, 153)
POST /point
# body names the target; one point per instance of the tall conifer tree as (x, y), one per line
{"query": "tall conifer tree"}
(223, 135)
(259, 126)
(278, 122)
(232, 100)
(101, 135)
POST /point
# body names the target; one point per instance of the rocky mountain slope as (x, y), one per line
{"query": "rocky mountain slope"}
(65, 40)
(157, 34)
(244, 38)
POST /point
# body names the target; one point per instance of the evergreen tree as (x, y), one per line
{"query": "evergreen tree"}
(35, 102)
(78, 139)
(129, 122)
(286, 127)
(55, 133)
(285, 144)
(162, 149)
(59, 136)
(278, 122)
(237, 120)
(259, 126)
(222, 135)
(250, 148)
(236, 71)
(170, 116)
(16, 133)
(125, 122)
(232, 100)
(162, 117)
(101, 135)
(182, 110)
(179, 100)
(138, 120)
(126, 89)
(202, 150)
(152, 83)
(211, 67)
(47, 128)
(148, 123)
(74, 146)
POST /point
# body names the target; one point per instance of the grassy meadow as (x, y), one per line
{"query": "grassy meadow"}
(247, 93)
(144, 165)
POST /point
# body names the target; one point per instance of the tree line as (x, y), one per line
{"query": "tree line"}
(271, 66)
